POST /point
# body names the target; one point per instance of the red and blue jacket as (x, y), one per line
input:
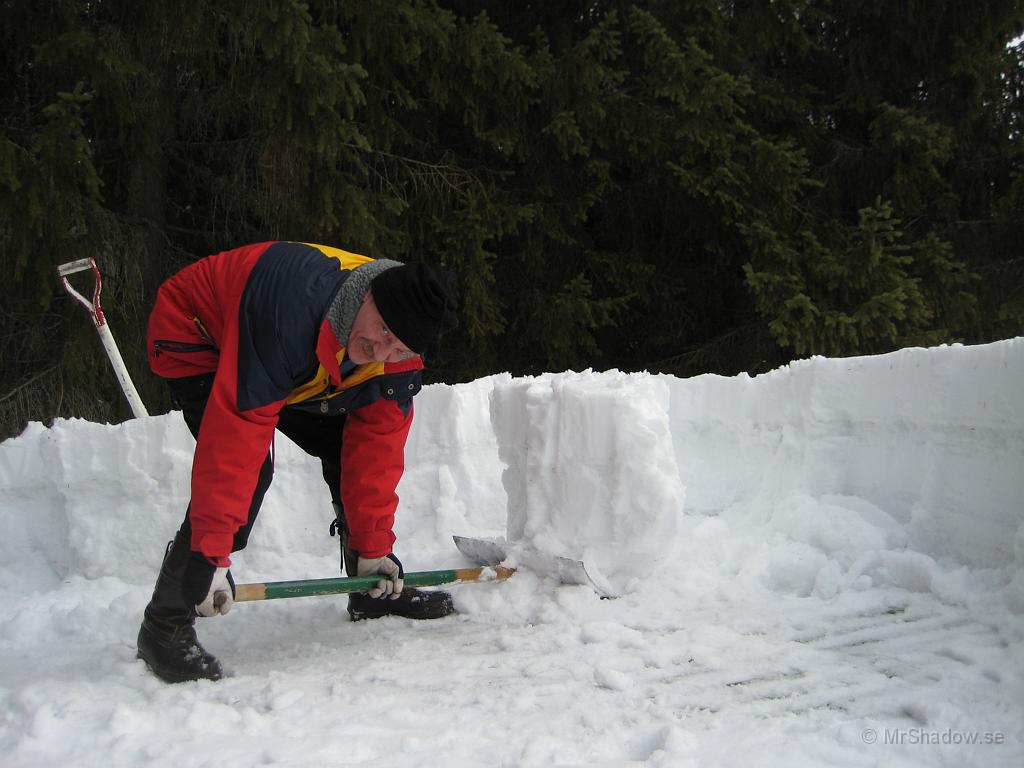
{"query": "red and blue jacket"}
(256, 317)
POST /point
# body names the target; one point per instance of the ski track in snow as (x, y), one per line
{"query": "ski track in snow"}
(798, 614)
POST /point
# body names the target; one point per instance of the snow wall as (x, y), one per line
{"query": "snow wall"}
(933, 437)
(919, 450)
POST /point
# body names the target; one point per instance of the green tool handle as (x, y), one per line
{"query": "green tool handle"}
(273, 590)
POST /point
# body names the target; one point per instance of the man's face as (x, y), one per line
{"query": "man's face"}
(371, 340)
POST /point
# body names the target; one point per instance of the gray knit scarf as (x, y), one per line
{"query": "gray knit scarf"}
(342, 312)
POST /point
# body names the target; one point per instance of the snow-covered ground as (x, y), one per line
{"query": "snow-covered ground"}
(820, 566)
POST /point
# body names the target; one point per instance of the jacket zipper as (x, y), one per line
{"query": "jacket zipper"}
(182, 346)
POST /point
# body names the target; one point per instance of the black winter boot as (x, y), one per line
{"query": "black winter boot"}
(167, 639)
(413, 603)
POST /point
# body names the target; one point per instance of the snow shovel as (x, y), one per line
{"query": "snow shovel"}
(273, 590)
(100, 321)
(492, 552)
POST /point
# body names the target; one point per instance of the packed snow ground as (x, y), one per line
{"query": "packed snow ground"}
(820, 566)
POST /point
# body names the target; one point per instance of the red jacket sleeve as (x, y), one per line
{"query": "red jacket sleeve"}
(230, 451)
(372, 463)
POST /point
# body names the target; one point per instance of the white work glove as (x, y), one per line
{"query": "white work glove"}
(221, 596)
(390, 568)
(209, 588)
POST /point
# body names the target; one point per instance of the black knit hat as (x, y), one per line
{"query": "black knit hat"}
(416, 304)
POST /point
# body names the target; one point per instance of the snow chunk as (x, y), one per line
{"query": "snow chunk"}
(590, 469)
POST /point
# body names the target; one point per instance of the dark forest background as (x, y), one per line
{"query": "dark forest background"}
(684, 186)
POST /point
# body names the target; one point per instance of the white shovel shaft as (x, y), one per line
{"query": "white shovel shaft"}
(98, 319)
(121, 372)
